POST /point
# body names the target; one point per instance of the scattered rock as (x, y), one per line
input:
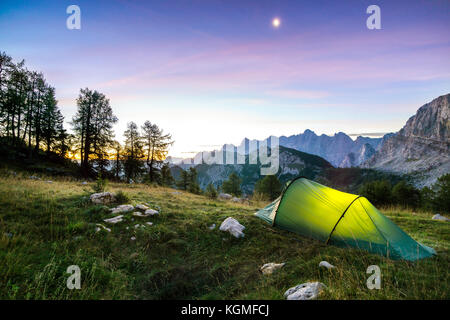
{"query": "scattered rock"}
(134, 255)
(147, 213)
(305, 291)
(149, 223)
(100, 227)
(125, 208)
(102, 198)
(212, 227)
(142, 207)
(139, 214)
(232, 226)
(326, 264)
(114, 220)
(133, 238)
(439, 217)
(271, 267)
(49, 181)
(176, 192)
(238, 200)
(34, 178)
(84, 183)
(151, 212)
(225, 196)
(137, 226)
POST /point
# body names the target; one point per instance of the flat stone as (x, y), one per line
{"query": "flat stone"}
(100, 227)
(114, 220)
(326, 264)
(225, 196)
(271, 267)
(102, 198)
(439, 217)
(305, 291)
(151, 212)
(142, 207)
(125, 208)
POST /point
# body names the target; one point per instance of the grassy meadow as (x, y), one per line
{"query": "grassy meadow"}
(46, 227)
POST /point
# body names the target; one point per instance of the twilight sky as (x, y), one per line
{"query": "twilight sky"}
(213, 72)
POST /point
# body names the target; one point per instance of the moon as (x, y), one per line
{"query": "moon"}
(276, 22)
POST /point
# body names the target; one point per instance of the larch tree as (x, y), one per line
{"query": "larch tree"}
(156, 145)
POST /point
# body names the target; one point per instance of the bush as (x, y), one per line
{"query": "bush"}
(122, 197)
(233, 185)
(100, 184)
(406, 195)
(442, 194)
(211, 192)
(269, 187)
(378, 192)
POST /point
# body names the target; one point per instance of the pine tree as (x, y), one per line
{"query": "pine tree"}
(133, 153)
(93, 127)
(269, 187)
(193, 185)
(183, 183)
(232, 185)
(166, 175)
(156, 145)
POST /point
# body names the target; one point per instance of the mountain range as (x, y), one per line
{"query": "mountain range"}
(420, 150)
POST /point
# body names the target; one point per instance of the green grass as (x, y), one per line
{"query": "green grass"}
(46, 227)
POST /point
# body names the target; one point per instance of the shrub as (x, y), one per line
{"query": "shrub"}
(211, 192)
(122, 197)
(269, 187)
(100, 184)
(232, 185)
(442, 194)
(406, 195)
(378, 192)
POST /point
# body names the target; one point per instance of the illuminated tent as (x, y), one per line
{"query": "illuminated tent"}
(343, 219)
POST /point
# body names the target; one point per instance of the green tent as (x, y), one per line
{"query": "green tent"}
(343, 219)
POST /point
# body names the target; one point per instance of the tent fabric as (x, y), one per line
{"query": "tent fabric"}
(342, 219)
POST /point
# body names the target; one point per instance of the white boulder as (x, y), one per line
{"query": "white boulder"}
(142, 207)
(102, 198)
(125, 208)
(114, 220)
(305, 291)
(232, 226)
(439, 217)
(151, 212)
(271, 267)
(225, 196)
(100, 227)
(149, 223)
(326, 264)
